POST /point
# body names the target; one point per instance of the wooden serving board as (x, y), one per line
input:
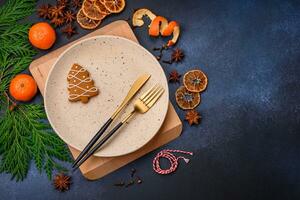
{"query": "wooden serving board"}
(97, 167)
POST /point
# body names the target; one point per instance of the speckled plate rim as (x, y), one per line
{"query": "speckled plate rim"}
(114, 37)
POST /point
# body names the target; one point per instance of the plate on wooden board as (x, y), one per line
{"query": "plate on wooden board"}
(114, 64)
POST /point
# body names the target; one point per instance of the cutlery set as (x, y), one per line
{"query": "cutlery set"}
(141, 105)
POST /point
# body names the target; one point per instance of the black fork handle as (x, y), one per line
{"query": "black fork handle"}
(93, 141)
(102, 141)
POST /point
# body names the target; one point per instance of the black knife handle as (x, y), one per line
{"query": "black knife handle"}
(102, 141)
(93, 141)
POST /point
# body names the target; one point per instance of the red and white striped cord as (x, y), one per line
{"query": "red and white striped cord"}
(167, 153)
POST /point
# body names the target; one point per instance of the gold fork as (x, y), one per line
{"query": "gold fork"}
(141, 105)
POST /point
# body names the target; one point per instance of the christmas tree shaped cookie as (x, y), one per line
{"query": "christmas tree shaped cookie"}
(81, 86)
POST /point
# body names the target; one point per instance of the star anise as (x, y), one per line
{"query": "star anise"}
(174, 76)
(58, 21)
(76, 3)
(44, 11)
(62, 182)
(69, 16)
(177, 55)
(57, 11)
(193, 117)
(62, 2)
(69, 30)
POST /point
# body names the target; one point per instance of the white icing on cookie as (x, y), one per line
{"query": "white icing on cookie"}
(78, 84)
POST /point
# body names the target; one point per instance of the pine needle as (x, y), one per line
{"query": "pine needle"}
(25, 134)
(24, 137)
(15, 10)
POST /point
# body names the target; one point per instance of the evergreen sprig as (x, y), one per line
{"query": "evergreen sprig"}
(14, 10)
(24, 133)
(25, 137)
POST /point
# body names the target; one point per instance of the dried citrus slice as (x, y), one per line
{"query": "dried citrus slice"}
(101, 7)
(185, 99)
(195, 81)
(86, 22)
(92, 11)
(114, 6)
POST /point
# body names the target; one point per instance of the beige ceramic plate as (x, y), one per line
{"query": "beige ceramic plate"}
(114, 63)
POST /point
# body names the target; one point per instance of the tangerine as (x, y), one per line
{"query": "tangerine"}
(23, 87)
(41, 35)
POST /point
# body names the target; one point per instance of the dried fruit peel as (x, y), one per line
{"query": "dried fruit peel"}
(168, 30)
(176, 33)
(137, 19)
(158, 25)
(161, 25)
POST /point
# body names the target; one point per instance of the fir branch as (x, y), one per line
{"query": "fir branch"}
(25, 137)
(24, 133)
(14, 40)
(14, 10)
(45, 144)
(16, 48)
(15, 32)
(10, 66)
(14, 146)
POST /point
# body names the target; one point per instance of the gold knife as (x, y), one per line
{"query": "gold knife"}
(137, 85)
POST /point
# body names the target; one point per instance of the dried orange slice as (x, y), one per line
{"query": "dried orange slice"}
(114, 6)
(185, 99)
(195, 81)
(101, 7)
(92, 11)
(86, 22)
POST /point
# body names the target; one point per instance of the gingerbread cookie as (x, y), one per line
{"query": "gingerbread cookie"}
(81, 86)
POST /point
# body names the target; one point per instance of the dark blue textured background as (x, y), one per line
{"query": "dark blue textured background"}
(248, 144)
